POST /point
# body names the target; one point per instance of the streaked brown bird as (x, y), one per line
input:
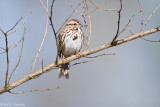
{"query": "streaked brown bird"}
(71, 39)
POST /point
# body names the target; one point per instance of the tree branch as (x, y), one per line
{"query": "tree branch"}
(7, 56)
(53, 65)
(119, 19)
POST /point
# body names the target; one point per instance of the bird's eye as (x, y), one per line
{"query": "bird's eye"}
(75, 24)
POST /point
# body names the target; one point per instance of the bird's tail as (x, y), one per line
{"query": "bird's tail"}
(64, 70)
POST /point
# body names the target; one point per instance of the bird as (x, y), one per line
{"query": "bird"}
(70, 39)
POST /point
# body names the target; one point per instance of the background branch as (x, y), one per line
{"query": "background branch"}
(20, 55)
(44, 37)
(7, 56)
(119, 19)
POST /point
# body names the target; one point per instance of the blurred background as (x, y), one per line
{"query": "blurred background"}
(131, 78)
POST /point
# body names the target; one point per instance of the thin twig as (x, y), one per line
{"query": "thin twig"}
(81, 63)
(90, 31)
(85, 24)
(2, 48)
(141, 12)
(99, 55)
(73, 7)
(155, 10)
(20, 55)
(14, 25)
(18, 27)
(23, 23)
(130, 29)
(2, 31)
(51, 23)
(119, 18)
(99, 7)
(126, 25)
(44, 37)
(150, 40)
(50, 17)
(68, 18)
(7, 56)
(15, 44)
(89, 19)
(33, 90)
(46, 9)
(55, 35)
(42, 65)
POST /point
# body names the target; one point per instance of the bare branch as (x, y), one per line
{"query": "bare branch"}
(68, 18)
(90, 31)
(7, 56)
(85, 24)
(142, 29)
(88, 38)
(44, 37)
(33, 90)
(14, 25)
(51, 23)
(53, 65)
(130, 29)
(99, 7)
(73, 7)
(99, 55)
(150, 40)
(2, 31)
(15, 44)
(23, 23)
(20, 55)
(141, 12)
(46, 9)
(2, 48)
(119, 18)
(81, 63)
(126, 25)
(155, 10)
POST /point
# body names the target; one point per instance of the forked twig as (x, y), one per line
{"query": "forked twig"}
(14, 25)
(143, 28)
(23, 23)
(126, 25)
(20, 55)
(119, 18)
(7, 56)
